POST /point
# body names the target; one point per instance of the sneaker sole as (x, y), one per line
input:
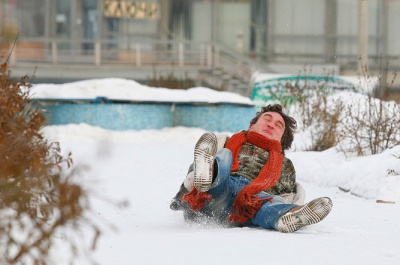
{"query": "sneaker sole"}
(311, 213)
(204, 154)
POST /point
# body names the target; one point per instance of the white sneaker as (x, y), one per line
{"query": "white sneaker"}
(204, 155)
(311, 213)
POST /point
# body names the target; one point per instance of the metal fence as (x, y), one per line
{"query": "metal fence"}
(132, 54)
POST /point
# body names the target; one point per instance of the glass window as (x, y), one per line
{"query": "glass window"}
(63, 18)
(30, 18)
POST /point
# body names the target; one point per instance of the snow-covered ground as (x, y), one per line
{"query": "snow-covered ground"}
(147, 167)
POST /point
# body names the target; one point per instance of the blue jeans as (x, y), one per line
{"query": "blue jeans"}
(225, 189)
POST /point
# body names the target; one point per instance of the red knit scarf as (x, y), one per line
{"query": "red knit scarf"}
(247, 203)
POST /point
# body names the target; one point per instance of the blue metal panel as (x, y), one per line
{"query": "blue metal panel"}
(112, 116)
(155, 115)
(224, 117)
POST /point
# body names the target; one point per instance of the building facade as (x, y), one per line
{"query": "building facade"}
(267, 31)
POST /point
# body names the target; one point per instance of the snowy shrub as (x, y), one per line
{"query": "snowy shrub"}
(38, 193)
(369, 125)
(355, 123)
(316, 113)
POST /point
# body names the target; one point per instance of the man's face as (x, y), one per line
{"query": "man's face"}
(270, 124)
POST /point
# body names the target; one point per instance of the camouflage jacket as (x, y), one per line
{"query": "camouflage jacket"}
(252, 159)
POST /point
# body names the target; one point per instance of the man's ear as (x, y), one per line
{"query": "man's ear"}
(251, 127)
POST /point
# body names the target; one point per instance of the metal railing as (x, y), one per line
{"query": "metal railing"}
(215, 65)
(130, 53)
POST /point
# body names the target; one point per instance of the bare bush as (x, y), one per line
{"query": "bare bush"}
(315, 111)
(38, 197)
(357, 125)
(369, 126)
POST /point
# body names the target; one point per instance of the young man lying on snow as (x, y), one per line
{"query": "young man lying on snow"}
(246, 180)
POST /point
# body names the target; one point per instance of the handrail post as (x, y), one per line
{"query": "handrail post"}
(209, 55)
(54, 53)
(138, 55)
(216, 60)
(97, 53)
(202, 53)
(181, 55)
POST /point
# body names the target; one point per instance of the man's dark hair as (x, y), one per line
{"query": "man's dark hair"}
(290, 124)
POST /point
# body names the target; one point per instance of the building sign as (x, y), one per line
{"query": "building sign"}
(130, 9)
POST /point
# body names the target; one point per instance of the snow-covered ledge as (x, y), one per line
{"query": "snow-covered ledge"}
(121, 104)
